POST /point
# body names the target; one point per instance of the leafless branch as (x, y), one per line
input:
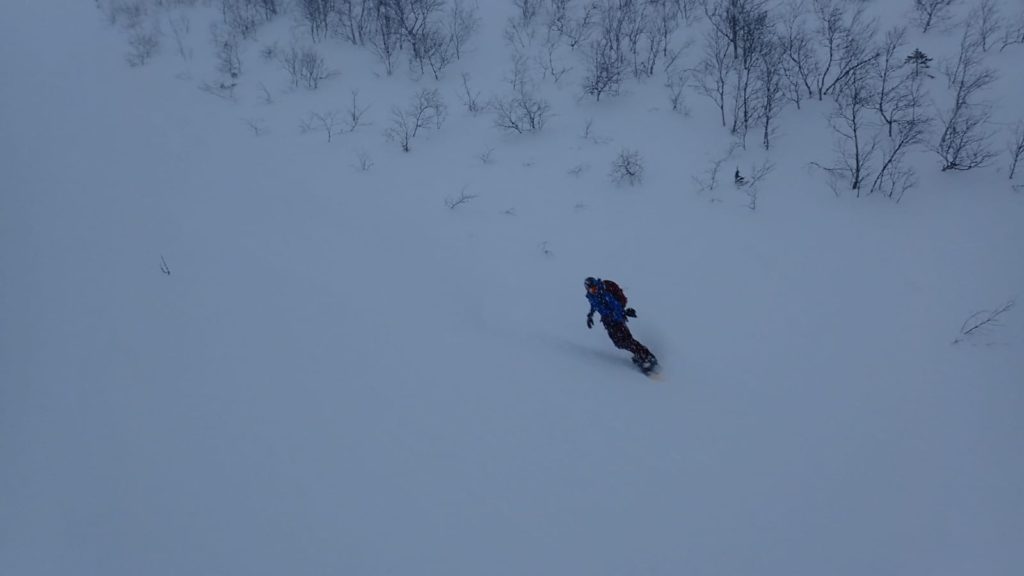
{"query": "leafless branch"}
(354, 115)
(987, 22)
(709, 182)
(628, 168)
(1013, 33)
(363, 161)
(579, 169)
(180, 28)
(257, 126)
(267, 97)
(964, 143)
(750, 185)
(222, 90)
(1016, 147)
(983, 321)
(330, 122)
(462, 198)
(471, 99)
(931, 13)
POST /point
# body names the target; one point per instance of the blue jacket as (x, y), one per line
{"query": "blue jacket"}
(605, 304)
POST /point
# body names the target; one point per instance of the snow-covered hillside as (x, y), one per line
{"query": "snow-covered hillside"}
(232, 346)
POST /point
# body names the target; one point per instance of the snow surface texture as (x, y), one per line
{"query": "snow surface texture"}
(341, 375)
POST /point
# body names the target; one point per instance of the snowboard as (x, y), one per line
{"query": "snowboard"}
(652, 370)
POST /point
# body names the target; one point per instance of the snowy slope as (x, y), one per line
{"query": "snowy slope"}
(343, 376)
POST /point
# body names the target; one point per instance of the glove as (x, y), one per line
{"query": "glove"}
(630, 312)
(590, 321)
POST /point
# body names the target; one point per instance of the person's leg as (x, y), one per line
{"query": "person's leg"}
(623, 338)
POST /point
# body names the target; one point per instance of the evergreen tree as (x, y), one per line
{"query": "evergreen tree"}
(920, 62)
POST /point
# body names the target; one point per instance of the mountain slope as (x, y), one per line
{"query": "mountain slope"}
(340, 374)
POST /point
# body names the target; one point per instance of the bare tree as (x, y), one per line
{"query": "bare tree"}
(709, 183)
(663, 19)
(257, 125)
(986, 18)
(1016, 147)
(750, 186)
(227, 41)
(589, 133)
(830, 32)
(753, 35)
(855, 143)
(521, 112)
(270, 7)
(427, 112)
(470, 98)
(385, 35)
(687, 9)
(268, 98)
(894, 177)
(1013, 33)
(606, 60)
(744, 29)
(243, 17)
(331, 122)
(355, 114)
(438, 50)
(729, 17)
(463, 22)
(770, 79)
(800, 65)
(128, 14)
(518, 76)
(364, 162)
(518, 35)
(353, 19)
(899, 100)
(848, 39)
(712, 75)
(566, 23)
(628, 168)
(527, 10)
(636, 25)
(318, 15)
(417, 22)
(676, 84)
(306, 67)
(890, 77)
(930, 13)
(964, 143)
(550, 64)
(181, 27)
(144, 45)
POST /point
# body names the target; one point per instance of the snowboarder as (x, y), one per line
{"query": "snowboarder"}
(608, 299)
